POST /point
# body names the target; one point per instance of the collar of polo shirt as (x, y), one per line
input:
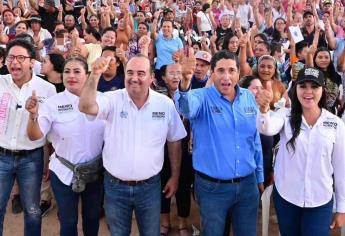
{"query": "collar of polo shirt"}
(129, 99)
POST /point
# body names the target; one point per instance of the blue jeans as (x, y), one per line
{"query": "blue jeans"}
(28, 171)
(67, 202)
(120, 200)
(301, 221)
(216, 200)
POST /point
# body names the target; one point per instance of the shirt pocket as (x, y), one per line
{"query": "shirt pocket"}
(67, 126)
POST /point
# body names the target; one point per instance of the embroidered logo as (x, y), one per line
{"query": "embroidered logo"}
(65, 108)
(158, 115)
(124, 114)
(216, 110)
(4, 111)
(249, 110)
(330, 124)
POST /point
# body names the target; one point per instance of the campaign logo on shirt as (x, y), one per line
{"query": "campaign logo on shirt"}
(249, 110)
(41, 99)
(124, 114)
(158, 115)
(65, 108)
(216, 110)
(330, 124)
(4, 111)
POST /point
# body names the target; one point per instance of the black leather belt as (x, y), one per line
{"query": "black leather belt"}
(220, 181)
(129, 182)
(7, 152)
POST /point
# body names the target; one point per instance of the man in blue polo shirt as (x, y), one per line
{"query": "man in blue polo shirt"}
(227, 155)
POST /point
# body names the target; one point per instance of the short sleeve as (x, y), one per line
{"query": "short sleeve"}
(176, 130)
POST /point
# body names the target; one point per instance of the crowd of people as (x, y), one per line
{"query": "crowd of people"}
(124, 104)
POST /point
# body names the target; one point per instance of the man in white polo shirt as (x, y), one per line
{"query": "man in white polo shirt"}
(139, 122)
(20, 158)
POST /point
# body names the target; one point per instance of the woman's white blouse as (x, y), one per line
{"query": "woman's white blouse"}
(72, 135)
(304, 176)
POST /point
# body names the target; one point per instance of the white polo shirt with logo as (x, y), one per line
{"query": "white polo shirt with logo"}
(72, 135)
(135, 138)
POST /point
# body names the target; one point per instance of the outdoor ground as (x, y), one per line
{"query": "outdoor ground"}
(13, 225)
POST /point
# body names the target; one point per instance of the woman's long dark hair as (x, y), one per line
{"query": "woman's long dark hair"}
(330, 71)
(276, 36)
(226, 42)
(296, 115)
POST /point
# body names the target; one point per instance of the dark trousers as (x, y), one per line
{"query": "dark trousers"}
(183, 194)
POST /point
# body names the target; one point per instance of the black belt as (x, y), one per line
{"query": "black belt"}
(220, 181)
(7, 152)
(130, 182)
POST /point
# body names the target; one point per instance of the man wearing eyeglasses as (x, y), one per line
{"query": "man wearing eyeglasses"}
(20, 158)
(227, 154)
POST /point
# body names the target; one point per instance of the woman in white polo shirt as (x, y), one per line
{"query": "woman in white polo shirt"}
(310, 160)
(75, 140)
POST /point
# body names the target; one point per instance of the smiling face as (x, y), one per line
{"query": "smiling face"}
(94, 21)
(309, 94)
(167, 29)
(266, 69)
(8, 18)
(74, 76)
(173, 76)
(21, 28)
(138, 77)
(226, 76)
(108, 38)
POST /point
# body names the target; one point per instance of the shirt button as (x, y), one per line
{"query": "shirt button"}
(238, 161)
(235, 119)
(238, 147)
(236, 174)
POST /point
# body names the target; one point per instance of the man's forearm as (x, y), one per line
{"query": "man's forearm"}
(175, 155)
(87, 102)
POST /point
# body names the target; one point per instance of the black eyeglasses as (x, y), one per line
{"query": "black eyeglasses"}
(19, 58)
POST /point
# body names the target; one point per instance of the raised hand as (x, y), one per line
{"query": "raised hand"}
(100, 65)
(177, 56)
(264, 98)
(82, 11)
(144, 41)
(188, 63)
(243, 41)
(120, 53)
(31, 104)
